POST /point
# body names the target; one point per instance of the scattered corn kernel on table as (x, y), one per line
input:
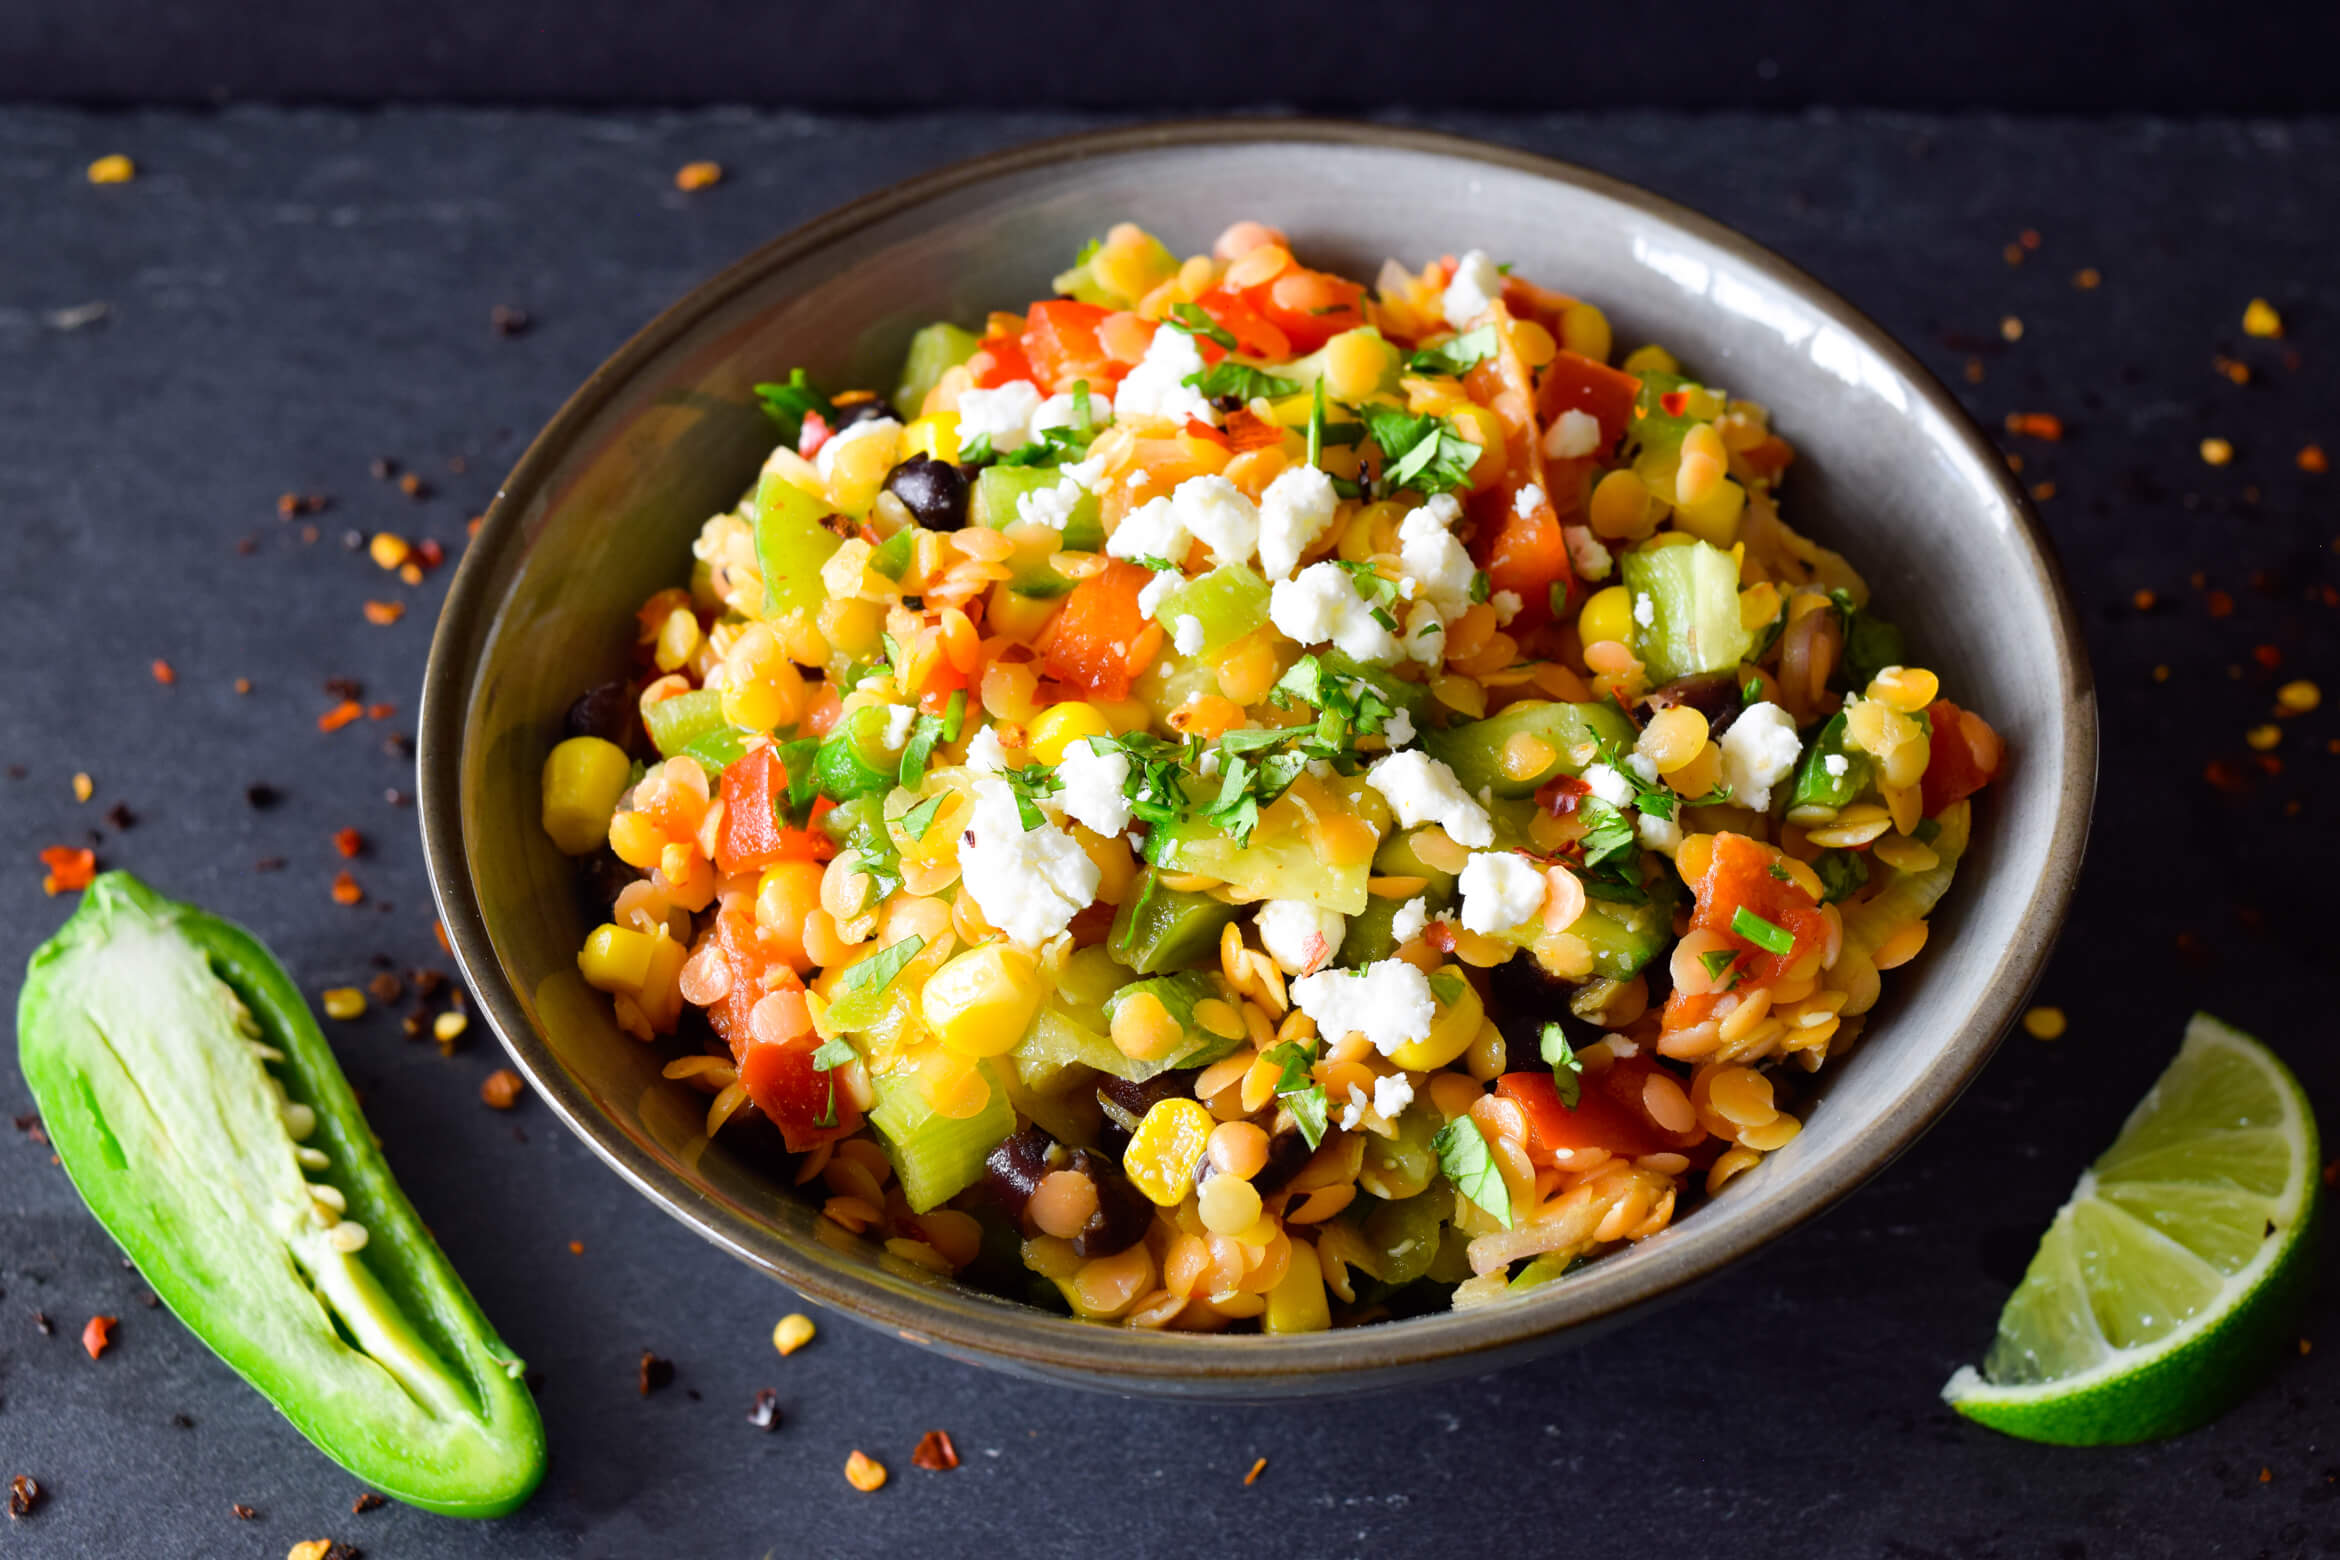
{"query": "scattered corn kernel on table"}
(288, 333)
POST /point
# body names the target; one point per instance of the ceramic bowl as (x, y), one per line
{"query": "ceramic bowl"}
(602, 509)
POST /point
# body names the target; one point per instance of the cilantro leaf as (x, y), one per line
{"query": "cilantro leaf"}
(877, 972)
(920, 818)
(1560, 1056)
(1316, 425)
(923, 736)
(955, 715)
(1842, 873)
(833, 1054)
(1240, 380)
(1467, 1161)
(794, 805)
(1302, 1095)
(787, 404)
(1608, 832)
(1457, 356)
(1190, 318)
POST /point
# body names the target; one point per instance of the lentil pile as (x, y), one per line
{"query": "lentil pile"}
(1238, 799)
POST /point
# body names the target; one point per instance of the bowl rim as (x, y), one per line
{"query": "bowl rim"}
(1008, 1334)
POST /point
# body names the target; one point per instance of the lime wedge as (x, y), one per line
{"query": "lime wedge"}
(2176, 1268)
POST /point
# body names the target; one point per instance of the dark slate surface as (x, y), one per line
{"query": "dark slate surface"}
(290, 295)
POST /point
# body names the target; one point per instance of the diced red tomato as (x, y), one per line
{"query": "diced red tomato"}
(1965, 753)
(1062, 348)
(1597, 1121)
(1102, 640)
(1740, 877)
(1309, 307)
(997, 360)
(778, 1074)
(814, 434)
(1255, 335)
(1526, 555)
(1573, 382)
(1522, 553)
(752, 836)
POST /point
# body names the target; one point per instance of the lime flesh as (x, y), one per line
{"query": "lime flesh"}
(2175, 1269)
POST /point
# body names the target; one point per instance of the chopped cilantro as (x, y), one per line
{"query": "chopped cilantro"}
(1418, 451)
(1316, 426)
(1842, 872)
(1302, 1095)
(1567, 1071)
(877, 972)
(1468, 1162)
(833, 1054)
(1717, 960)
(787, 404)
(1763, 934)
(1481, 585)
(1240, 380)
(955, 715)
(1155, 562)
(1190, 318)
(1608, 832)
(920, 818)
(794, 805)
(1457, 356)
(1447, 987)
(1780, 873)
(923, 736)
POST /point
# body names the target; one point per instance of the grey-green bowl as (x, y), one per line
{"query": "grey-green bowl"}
(602, 508)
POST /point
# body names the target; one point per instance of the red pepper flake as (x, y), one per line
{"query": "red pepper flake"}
(2231, 369)
(472, 525)
(384, 613)
(367, 1501)
(1440, 936)
(2013, 254)
(70, 868)
(243, 685)
(413, 486)
(291, 506)
(935, 1452)
(1247, 430)
(24, 1493)
(163, 673)
(2088, 278)
(2036, 425)
(2268, 656)
(439, 930)
(1203, 430)
(655, 1373)
(1674, 402)
(576, 1248)
(346, 890)
(2144, 600)
(2029, 238)
(340, 715)
(2312, 459)
(98, 1333)
(429, 553)
(812, 435)
(1974, 371)
(2220, 604)
(2041, 492)
(2266, 1476)
(245, 1513)
(698, 175)
(1257, 1469)
(349, 842)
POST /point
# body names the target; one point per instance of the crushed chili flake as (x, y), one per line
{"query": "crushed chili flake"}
(269, 864)
(340, 715)
(576, 1248)
(2036, 425)
(2232, 369)
(291, 506)
(765, 1412)
(2041, 492)
(346, 890)
(2013, 254)
(380, 711)
(120, 817)
(501, 1089)
(2224, 775)
(1675, 402)
(2268, 656)
(385, 988)
(1974, 371)
(24, 1493)
(413, 486)
(384, 613)
(2143, 600)
(505, 320)
(1257, 1469)
(367, 1501)
(655, 1373)
(244, 1513)
(2312, 459)
(349, 842)
(30, 1125)
(243, 685)
(2264, 738)
(163, 673)
(429, 553)
(935, 1453)
(70, 868)
(97, 1333)
(697, 175)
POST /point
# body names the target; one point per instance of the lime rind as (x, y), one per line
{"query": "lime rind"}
(2175, 1266)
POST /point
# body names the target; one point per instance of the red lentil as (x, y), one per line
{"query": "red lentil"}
(163, 673)
(346, 890)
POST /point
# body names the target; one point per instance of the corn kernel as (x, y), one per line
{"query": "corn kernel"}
(112, 168)
(1165, 1149)
(864, 1473)
(678, 640)
(344, 1002)
(1451, 1031)
(1652, 359)
(1297, 1303)
(1062, 725)
(792, 1333)
(2261, 320)
(1356, 364)
(389, 549)
(982, 1001)
(583, 779)
(448, 1027)
(615, 958)
(1608, 616)
(1620, 509)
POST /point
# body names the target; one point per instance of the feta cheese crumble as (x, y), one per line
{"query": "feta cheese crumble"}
(1759, 751)
(1322, 605)
(1420, 789)
(1154, 388)
(1477, 283)
(984, 754)
(1388, 1002)
(1574, 436)
(1095, 776)
(1425, 635)
(1437, 564)
(1152, 530)
(1295, 510)
(1527, 500)
(1215, 513)
(1050, 506)
(1398, 730)
(1029, 883)
(1299, 936)
(1500, 889)
(1609, 784)
(1186, 635)
(1836, 764)
(1662, 835)
(1391, 1095)
(1507, 606)
(1587, 554)
(1160, 586)
(1003, 414)
(1644, 611)
(900, 720)
(1411, 921)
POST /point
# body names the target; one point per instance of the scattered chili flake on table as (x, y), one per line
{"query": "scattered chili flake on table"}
(349, 842)
(863, 1472)
(120, 817)
(24, 1493)
(30, 1125)
(2217, 451)
(346, 890)
(70, 868)
(1257, 1469)
(764, 1414)
(2143, 599)
(323, 1549)
(576, 1248)
(2041, 492)
(935, 1452)
(2013, 254)
(1974, 371)
(2261, 320)
(501, 1090)
(83, 787)
(380, 711)
(2088, 278)
(2268, 656)
(340, 715)
(655, 1373)
(2311, 459)
(245, 1513)
(410, 573)
(2036, 425)
(367, 1501)
(2220, 604)
(163, 673)
(413, 486)
(97, 1333)
(291, 506)
(385, 988)
(697, 175)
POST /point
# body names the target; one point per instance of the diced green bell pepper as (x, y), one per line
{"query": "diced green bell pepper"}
(718, 750)
(1285, 868)
(1692, 613)
(934, 351)
(854, 758)
(1574, 732)
(1178, 994)
(201, 1115)
(1370, 938)
(1623, 937)
(791, 545)
(1160, 929)
(1820, 791)
(1229, 602)
(674, 724)
(992, 503)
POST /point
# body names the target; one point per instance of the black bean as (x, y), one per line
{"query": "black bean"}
(934, 491)
(606, 712)
(1711, 694)
(1286, 1156)
(1012, 1171)
(1123, 1214)
(860, 412)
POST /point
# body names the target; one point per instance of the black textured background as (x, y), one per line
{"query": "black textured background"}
(288, 296)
